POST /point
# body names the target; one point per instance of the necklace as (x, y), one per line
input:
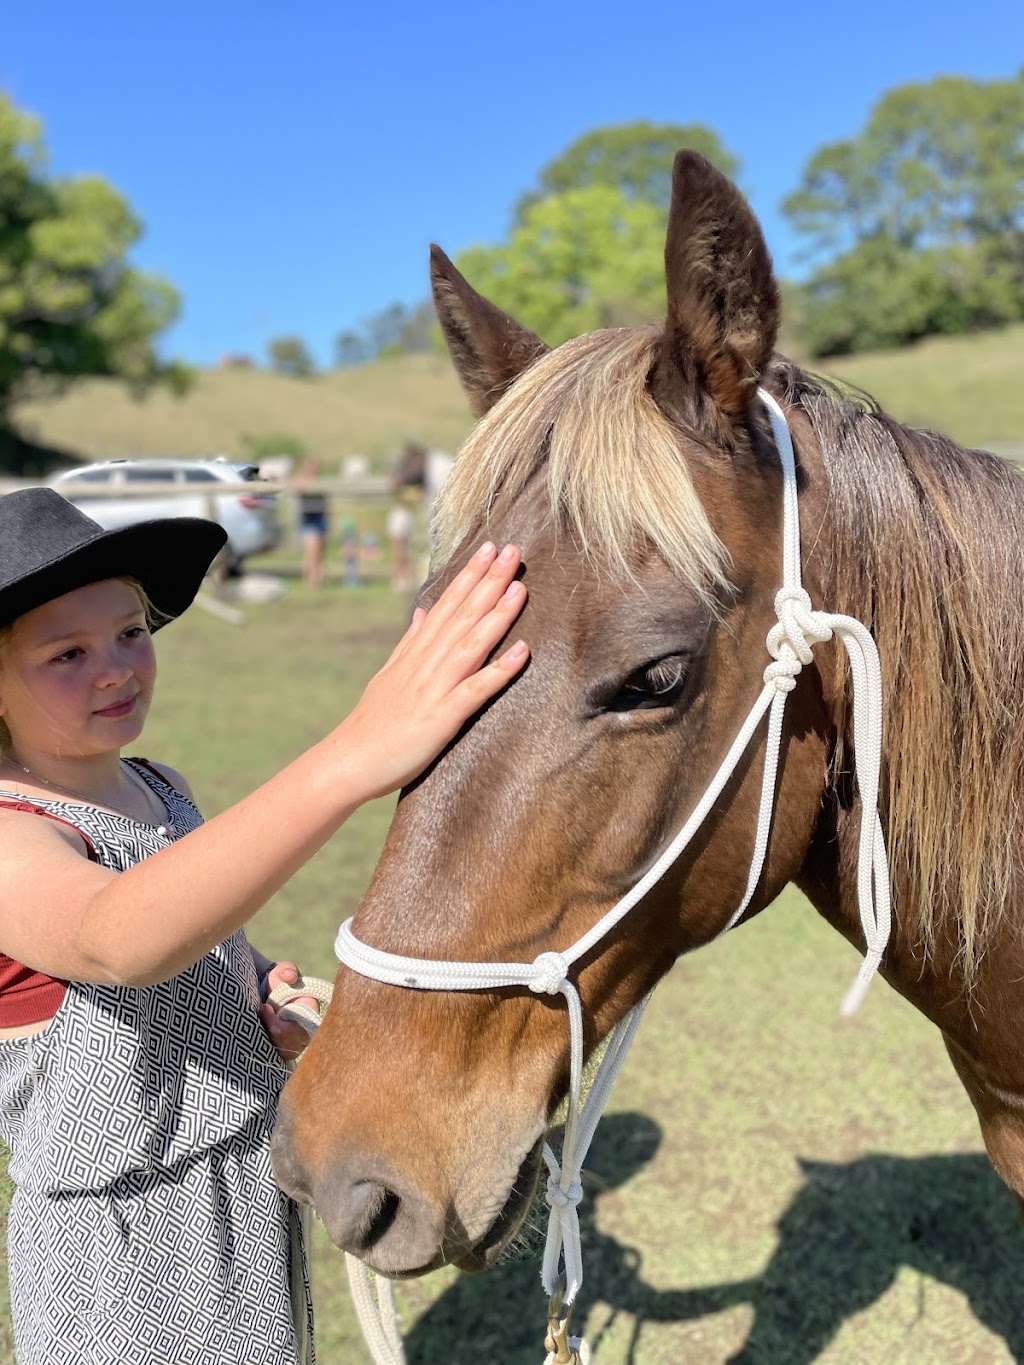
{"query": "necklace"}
(165, 827)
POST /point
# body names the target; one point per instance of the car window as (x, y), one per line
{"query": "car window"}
(200, 476)
(88, 476)
(149, 475)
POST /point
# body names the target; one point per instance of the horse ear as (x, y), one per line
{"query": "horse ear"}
(488, 348)
(723, 302)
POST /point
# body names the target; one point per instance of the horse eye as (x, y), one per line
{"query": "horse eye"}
(655, 684)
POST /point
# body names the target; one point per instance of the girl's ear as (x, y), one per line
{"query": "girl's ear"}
(488, 348)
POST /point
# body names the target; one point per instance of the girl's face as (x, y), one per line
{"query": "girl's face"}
(77, 674)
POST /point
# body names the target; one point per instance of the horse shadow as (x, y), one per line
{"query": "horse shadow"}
(844, 1237)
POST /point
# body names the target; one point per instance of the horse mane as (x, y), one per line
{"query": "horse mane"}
(927, 552)
(582, 415)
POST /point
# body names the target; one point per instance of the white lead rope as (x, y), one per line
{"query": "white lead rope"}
(376, 1312)
(789, 643)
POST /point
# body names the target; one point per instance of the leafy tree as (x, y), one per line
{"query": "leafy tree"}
(586, 248)
(70, 304)
(395, 330)
(290, 355)
(419, 331)
(917, 224)
(351, 348)
(581, 259)
(634, 158)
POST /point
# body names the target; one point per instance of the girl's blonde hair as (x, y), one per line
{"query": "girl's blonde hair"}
(154, 617)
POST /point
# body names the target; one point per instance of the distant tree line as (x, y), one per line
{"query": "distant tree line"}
(912, 228)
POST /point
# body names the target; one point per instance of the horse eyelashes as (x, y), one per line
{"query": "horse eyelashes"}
(655, 684)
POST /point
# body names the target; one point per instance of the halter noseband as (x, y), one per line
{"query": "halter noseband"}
(798, 628)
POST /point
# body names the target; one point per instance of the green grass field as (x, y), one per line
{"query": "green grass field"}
(772, 1185)
(967, 386)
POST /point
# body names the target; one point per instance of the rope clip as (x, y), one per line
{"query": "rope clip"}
(560, 1349)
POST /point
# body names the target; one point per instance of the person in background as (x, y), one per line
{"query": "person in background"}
(313, 513)
(350, 555)
(399, 529)
(409, 485)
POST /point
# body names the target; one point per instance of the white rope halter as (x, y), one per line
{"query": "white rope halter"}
(790, 641)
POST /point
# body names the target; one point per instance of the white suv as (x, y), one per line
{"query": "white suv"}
(114, 494)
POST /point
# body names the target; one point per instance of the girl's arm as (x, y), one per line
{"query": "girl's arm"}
(72, 919)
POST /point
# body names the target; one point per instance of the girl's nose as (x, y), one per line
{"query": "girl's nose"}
(114, 670)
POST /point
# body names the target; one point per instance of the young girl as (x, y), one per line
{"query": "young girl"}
(137, 1084)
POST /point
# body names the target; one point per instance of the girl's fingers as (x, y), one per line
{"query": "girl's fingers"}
(473, 591)
(457, 596)
(482, 684)
(465, 655)
(498, 598)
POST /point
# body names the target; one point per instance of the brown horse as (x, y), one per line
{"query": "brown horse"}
(636, 470)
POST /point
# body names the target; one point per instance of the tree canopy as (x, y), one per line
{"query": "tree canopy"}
(578, 260)
(291, 356)
(70, 303)
(587, 249)
(397, 329)
(633, 158)
(917, 224)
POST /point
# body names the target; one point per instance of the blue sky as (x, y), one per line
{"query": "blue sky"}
(292, 161)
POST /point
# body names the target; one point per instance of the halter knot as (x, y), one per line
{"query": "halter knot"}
(789, 641)
(549, 971)
(563, 1199)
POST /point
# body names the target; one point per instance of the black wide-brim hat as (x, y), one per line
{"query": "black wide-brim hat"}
(48, 547)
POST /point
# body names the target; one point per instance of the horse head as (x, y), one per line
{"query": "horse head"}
(636, 470)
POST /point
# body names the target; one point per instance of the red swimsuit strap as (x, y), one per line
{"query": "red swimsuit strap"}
(31, 809)
(30, 997)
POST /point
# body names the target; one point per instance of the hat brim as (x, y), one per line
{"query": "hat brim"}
(169, 558)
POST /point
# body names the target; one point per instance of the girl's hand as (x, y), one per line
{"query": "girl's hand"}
(437, 678)
(288, 1038)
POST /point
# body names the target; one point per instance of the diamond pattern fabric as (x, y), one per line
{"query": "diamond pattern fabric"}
(145, 1226)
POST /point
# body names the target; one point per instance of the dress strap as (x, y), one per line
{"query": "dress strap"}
(155, 772)
(30, 808)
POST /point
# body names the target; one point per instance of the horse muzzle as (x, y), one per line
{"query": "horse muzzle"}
(378, 1214)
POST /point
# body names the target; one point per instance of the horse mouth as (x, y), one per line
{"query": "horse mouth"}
(521, 1199)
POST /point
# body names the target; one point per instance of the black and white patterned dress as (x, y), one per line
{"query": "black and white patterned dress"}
(145, 1226)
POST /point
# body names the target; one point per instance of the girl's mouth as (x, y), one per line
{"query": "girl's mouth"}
(121, 708)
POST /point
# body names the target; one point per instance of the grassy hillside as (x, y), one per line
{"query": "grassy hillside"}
(968, 387)
(373, 409)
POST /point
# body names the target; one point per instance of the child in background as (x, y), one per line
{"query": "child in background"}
(313, 517)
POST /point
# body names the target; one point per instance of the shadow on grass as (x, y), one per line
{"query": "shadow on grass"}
(843, 1239)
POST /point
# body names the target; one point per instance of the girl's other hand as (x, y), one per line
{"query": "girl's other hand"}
(437, 676)
(288, 1038)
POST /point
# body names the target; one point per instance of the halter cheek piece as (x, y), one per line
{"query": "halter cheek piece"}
(798, 628)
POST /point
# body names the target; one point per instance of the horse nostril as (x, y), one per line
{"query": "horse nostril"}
(369, 1211)
(379, 1213)
(367, 1206)
(382, 1212)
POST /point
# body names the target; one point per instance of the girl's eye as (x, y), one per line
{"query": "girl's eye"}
(656, 684)
(135, 632)
(68, 656)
